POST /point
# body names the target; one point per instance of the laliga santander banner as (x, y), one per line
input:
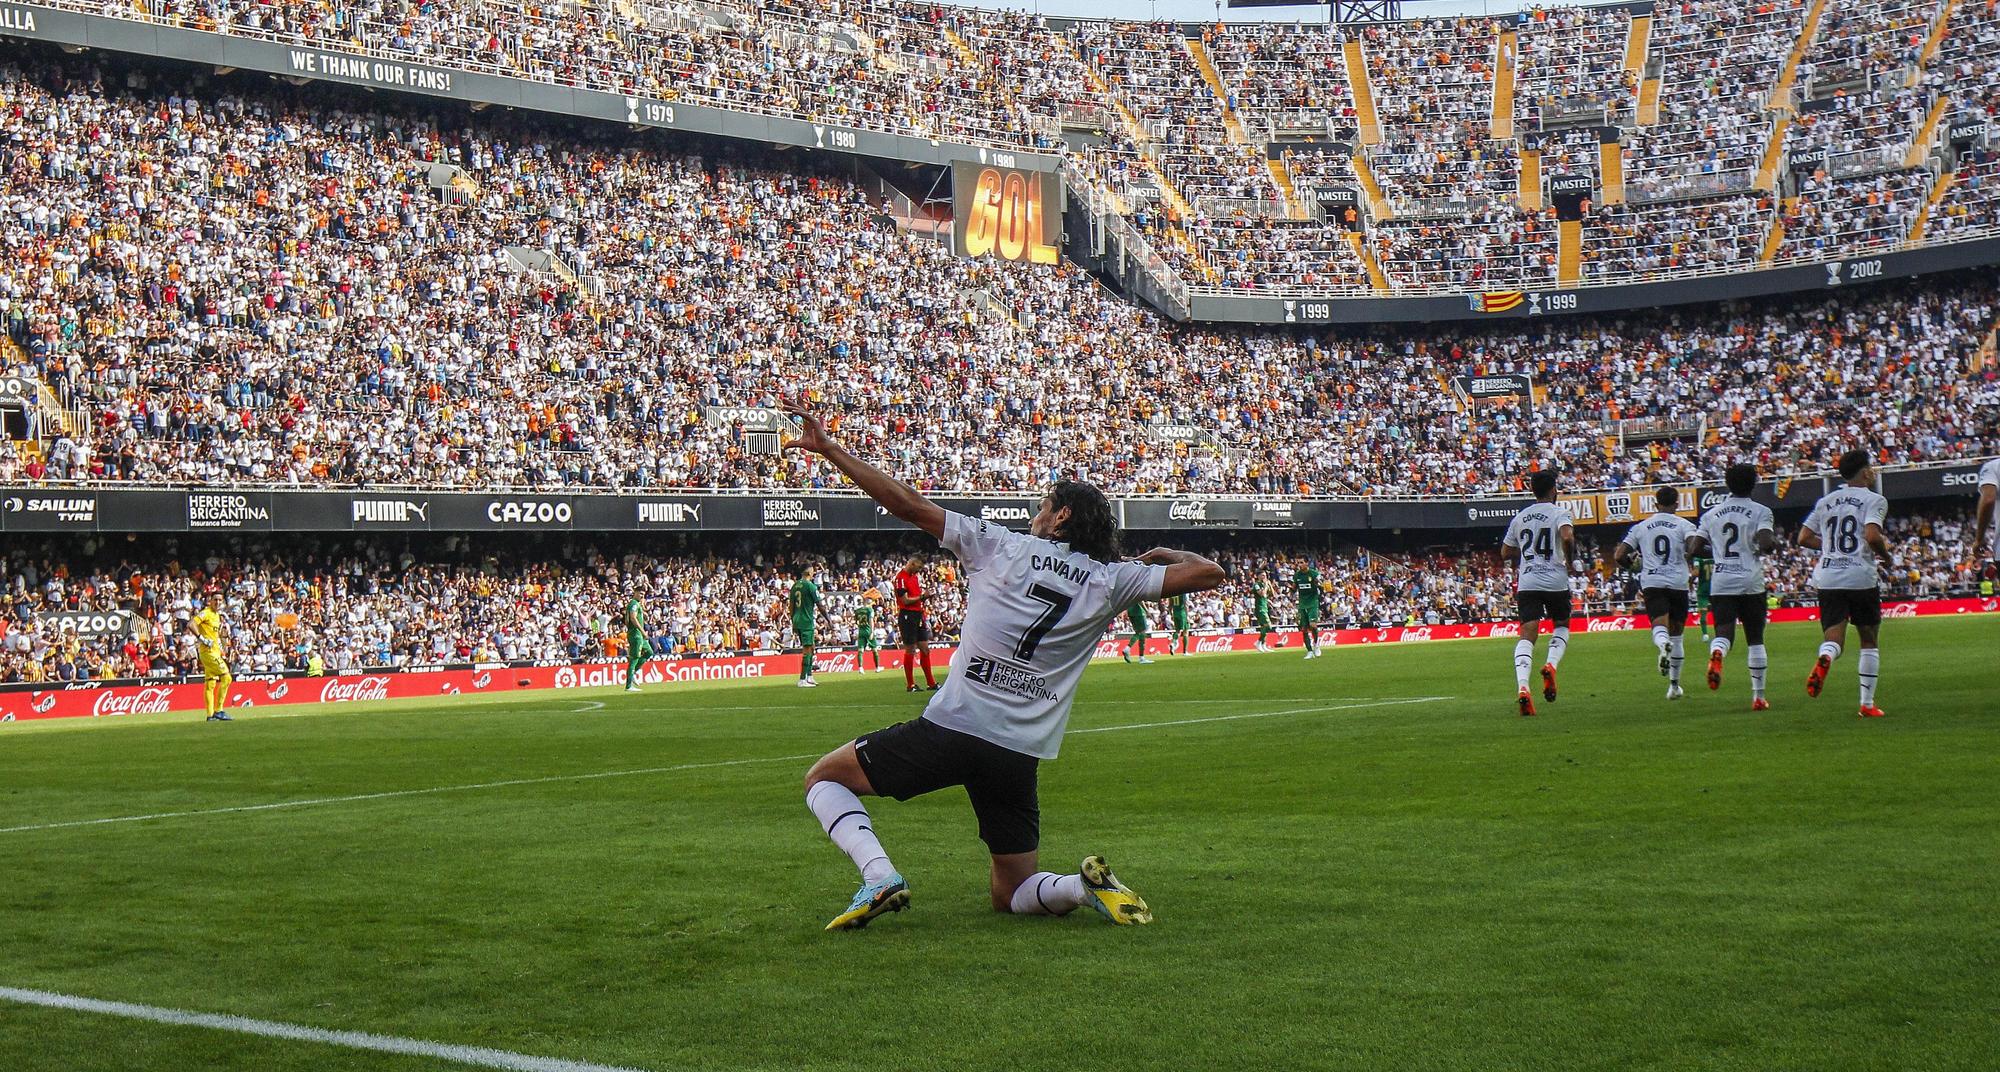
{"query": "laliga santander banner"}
(86, 699)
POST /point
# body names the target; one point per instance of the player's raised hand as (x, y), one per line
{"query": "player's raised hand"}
(812, 435)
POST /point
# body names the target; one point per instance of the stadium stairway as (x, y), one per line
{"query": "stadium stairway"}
(1611, 173)
(1378, 206)
(1503, 87)
(1367, 122)
(1774, 239)
(1931, 42)
(1638, 38)
(1938, 190)
(1375, 277)
(1781, 93)
(1767, 168)
(1920, 146)
(1569, 251)
(1649, 102)
(1529, 192)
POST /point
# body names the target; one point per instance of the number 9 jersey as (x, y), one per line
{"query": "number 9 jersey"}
(1034, 611)
(1846, 562)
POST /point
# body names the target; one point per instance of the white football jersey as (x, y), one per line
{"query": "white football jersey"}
(1034, 610)
(1731, 530)
(1661, 541)
(1846, 561)
(1537, 531)
(1989, 477)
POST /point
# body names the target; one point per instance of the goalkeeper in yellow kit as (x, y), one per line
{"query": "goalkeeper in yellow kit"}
(214, 659)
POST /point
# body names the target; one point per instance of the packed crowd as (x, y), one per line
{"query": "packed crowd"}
(271, 289)
(1132, 106)
(295, 604)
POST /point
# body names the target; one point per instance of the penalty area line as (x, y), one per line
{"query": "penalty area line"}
(353, 1040)
(557, 778)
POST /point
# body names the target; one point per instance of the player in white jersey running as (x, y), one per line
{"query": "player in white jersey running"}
(1846, 528)
(1734, 535)
(1657, 548)
(1540, 543)
(1035, 606)
(1988, 524)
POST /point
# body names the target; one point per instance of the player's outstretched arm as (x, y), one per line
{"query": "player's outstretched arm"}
(893, 495)
(1186, 571)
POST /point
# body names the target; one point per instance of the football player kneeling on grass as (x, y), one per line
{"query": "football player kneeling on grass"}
(1035, 607)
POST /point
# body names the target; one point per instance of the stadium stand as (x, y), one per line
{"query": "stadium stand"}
(222, 286)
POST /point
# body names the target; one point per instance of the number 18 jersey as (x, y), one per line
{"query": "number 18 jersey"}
(1731, 531)
(1034, 611)
(1537, 531)
(1846, 562)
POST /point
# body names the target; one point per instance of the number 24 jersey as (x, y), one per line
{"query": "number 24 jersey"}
(1846, 562)
(1537, 531)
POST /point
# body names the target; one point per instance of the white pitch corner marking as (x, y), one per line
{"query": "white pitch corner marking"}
(478, 1056)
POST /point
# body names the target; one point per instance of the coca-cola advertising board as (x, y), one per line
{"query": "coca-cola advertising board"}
(21, 703)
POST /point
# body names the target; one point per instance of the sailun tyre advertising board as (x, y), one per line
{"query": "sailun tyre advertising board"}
(24, 703)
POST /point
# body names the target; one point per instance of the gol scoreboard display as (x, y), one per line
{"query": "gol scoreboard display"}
(1006, 213)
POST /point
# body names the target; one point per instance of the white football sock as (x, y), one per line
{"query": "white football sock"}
(1558, 645)
(1660, 638)
(1759, 660)
(1046, 893)
(1676, 655)
(845, 820)
(1870, 665)
(1721, 644)
(1829, 649)
(1524, 661)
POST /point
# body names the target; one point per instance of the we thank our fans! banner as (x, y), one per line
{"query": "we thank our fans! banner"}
(22, 703)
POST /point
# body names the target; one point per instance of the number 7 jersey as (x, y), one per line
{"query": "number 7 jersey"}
(1034, 612)
(1846, 562)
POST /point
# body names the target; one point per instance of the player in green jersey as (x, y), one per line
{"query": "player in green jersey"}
(865, 640)
(1136, 613)
(805, 621)
(1305, 583)
(1183, 639)
(638, 648)
(1263, 612)
(1704, 569)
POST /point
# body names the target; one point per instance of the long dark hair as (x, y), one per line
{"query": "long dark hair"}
(1091, 529)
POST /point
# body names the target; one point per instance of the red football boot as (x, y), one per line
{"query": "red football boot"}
(1527, 704)
(1872, 711)
(1760, 704)
(1548, 683)
(1714, 670)
(1816, 680)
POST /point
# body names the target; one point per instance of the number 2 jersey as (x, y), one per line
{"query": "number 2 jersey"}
(1846, 562)
(1731, 530)
(1537, 531)
(1034, 611)
(1661, 541)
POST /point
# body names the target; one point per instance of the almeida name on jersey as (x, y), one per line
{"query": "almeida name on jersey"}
(1846, 562)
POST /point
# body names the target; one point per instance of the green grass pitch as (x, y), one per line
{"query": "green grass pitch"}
(1621, 883)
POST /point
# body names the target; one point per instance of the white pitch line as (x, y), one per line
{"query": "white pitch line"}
(1254, 714)
(319, 801)
(353, 1040)
(391, 794)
